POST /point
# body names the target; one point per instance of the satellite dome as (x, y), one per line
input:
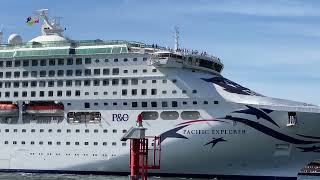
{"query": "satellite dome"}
(46, 38)
(14, 39)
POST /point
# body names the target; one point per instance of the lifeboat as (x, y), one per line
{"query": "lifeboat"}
(8, 109)
(45, 109)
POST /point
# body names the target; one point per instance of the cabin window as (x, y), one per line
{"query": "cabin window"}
(115, 71)
(34, 63)
(86, 105)
(134, 92)
(69, 61)
(78, 72)
(124, 81)
(87, 60)
(153, 104)
(17, 63)
(25, 63)
(153, 91)
(164, 104)
(69, 72)
(134, 104)
(115, 82)
(77, 83)
(105, 82)
(134, 81)
(43, 62)
(52, 62)
(60, 62)
(16, 74)
(174, 104)
(106, 71)
(25, 73)
(96, 71)
(87, 72)
(78, 61)
(124, 92)
(143, 91)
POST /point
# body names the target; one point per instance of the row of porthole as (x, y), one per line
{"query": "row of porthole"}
(58, 143)
(69, 154)
(59, 130)
(59, 62)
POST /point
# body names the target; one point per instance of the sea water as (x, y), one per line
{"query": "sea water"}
(36, 176)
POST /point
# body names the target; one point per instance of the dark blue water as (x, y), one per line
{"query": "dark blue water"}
(35, 176)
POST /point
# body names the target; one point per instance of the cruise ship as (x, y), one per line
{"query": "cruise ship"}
(65, 104)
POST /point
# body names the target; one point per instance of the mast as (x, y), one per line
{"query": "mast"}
(176, 38)
(49, 28)
(1, 35)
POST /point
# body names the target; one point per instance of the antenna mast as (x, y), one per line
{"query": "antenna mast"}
(176, 38)
(49, 28)
(1, 34)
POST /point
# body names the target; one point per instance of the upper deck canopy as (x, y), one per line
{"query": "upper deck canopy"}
(66, 47)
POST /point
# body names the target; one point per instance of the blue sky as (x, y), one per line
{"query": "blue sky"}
(272, 47)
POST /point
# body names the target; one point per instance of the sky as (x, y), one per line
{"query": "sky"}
(271, 47)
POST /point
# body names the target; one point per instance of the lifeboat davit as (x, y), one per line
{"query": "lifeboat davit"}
(8, 109)
(54, 110)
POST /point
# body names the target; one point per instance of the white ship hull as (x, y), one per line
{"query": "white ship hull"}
(208, 125)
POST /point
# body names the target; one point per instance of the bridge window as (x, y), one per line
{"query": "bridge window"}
(292, 118)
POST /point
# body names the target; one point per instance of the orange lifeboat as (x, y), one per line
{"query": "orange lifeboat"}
(45, 109)
(8, 109)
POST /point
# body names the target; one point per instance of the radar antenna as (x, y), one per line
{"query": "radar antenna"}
(176, 38)
(49, 28)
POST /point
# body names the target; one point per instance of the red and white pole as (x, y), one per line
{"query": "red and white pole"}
(134, 164)
(135, 154)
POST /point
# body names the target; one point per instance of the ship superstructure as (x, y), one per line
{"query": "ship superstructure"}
(65, 104)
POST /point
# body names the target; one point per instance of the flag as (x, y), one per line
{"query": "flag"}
(32, 20)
